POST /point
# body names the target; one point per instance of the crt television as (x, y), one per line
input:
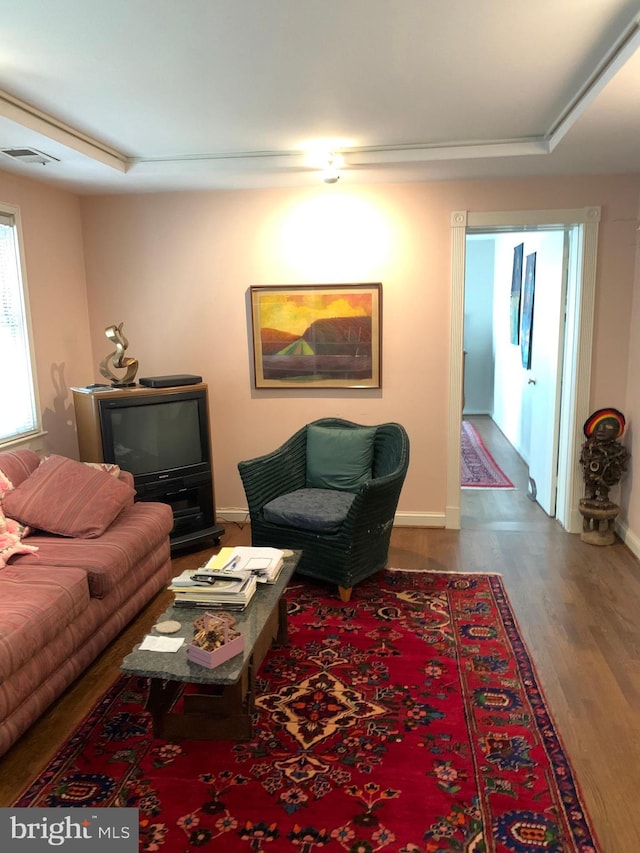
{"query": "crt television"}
(157, 436)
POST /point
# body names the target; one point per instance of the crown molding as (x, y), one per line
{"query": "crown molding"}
(40, 122)
(620, 52)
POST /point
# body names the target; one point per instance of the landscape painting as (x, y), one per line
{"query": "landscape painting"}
(526, 331)
(323, 336)
(516, 289)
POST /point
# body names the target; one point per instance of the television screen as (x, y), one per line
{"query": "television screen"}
(156, 436)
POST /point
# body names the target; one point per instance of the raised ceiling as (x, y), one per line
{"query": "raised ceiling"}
(152, 95)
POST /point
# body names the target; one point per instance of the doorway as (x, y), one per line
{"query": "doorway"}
(513, 377)
(582, 226)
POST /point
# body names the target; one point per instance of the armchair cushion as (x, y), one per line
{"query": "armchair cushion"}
(323, 510)
(339, 458)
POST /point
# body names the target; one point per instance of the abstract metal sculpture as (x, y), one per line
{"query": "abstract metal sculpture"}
(130, 365)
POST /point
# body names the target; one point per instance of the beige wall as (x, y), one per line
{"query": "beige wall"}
(55, 275)
(630, 485)
(176, 269)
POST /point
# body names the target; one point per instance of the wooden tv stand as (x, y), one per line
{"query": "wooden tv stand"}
(189, 494)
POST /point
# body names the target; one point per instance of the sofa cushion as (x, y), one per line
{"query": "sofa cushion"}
(339, 458)
(66, 497)
(323, 510)
(111, 557)
(36, 603)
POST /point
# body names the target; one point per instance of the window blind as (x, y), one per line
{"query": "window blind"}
(18, 409)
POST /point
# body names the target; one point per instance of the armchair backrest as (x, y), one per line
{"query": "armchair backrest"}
(390, 449)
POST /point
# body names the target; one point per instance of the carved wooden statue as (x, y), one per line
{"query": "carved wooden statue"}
(604, 460)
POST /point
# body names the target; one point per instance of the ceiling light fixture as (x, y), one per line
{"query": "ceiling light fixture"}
(331, 170)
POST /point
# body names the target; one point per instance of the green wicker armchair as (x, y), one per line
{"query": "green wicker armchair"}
(343, 533)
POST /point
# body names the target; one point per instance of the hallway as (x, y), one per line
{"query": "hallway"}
(501, 509)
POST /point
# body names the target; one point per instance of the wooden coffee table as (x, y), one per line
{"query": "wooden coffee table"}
(221, 706)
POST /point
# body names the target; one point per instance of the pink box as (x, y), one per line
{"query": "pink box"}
(214, 658)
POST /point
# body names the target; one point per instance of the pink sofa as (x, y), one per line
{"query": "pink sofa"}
(62, 604)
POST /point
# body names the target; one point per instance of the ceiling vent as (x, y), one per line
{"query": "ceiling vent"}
(29, 155)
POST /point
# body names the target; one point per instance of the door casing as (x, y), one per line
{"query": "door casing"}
(577, 354)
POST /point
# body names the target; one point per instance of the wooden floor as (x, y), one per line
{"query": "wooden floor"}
(501, 509)
(578, 607)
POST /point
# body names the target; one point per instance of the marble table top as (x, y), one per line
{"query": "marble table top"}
(175, 666)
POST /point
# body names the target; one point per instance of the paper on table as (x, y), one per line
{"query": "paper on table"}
(161, 644)
(257, 564)
(237, 558)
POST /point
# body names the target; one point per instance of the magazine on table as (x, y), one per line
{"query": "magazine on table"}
(263, 563)
(230, 605)
(213, 583)
(224, 591)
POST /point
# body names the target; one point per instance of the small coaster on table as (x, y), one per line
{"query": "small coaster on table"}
(169, 626)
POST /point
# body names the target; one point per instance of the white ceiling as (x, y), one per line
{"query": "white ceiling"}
(147, 95)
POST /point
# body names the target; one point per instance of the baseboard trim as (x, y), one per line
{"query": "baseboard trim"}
(239, 515)
(419, 519)
(452, 518)
(630, 539)
(575, 522)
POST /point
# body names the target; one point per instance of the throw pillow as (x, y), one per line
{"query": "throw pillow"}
(6, 485)
(107, 467)
(69, 498)
(17, 465)
(339, 458)
(10, 525)
(10, 544)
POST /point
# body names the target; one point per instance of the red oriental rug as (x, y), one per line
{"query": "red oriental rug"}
(478, 468)
(408, 720)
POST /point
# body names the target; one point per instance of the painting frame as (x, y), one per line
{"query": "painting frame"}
(516, 293)
(317, 335)
(528, 299)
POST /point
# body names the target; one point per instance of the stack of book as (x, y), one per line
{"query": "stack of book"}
(215, 590)
(229, 579)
